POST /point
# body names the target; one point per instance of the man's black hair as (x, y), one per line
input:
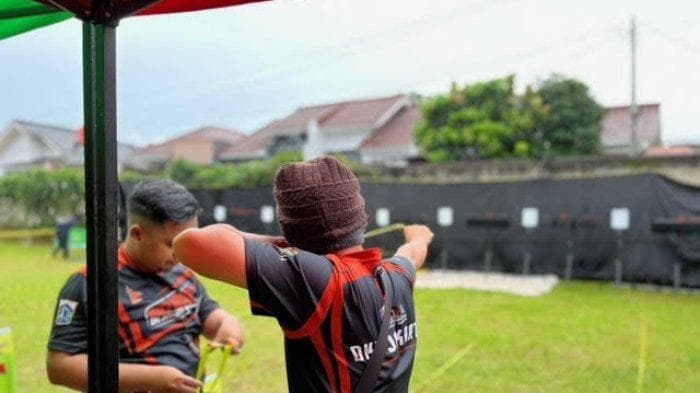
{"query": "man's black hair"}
(162, 200)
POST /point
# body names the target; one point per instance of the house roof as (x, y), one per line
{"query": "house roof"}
(670, 151)
(358, 111)
(396, 132)
(617, 124)
(340, 114)
(200, 135)
(58, 138)
(62, 141)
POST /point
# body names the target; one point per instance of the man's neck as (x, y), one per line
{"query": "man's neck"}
(350, 250)
(133, 253)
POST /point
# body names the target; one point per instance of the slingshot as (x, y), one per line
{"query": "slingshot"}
(380, 231)
(212, 381)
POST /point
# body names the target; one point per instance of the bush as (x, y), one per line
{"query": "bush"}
(242, 175)
(35, 198)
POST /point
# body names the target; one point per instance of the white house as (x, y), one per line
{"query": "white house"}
(378, 130)
(26, 145)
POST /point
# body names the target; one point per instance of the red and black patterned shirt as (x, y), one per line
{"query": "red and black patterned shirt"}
(160, 316)
(330, 310)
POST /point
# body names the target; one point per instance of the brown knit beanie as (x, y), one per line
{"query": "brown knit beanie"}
(319, 205)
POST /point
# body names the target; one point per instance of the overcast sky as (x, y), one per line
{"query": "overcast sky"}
(242, 67)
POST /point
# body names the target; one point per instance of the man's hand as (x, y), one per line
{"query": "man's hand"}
(223, 328)
(418, 233)
(168, 379)
(234, 337)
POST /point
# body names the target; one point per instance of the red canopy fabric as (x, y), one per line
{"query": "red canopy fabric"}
(172, 6)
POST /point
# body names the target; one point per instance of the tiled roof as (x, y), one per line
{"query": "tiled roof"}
(617, 124)
(200, 135)
(64, 141)
(671, 151)
(358, 112)
(396, 132)
(347, 113)
(60, 138)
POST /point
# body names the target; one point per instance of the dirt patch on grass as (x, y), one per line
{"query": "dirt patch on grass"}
(531, 285)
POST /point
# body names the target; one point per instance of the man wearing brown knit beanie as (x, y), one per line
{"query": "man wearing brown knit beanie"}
(335, 300)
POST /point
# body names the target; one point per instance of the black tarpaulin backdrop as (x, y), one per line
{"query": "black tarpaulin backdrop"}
(574, 216)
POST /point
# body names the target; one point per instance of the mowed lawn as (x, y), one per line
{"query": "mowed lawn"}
(583, 337)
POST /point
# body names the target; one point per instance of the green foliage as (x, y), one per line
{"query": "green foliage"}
(482, 120)
(245, 175)
(182, 171)
(574, 122)
(35, 198)
(130, 176)
(488, 120)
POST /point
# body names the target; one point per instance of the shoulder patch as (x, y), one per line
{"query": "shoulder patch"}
(65, 312)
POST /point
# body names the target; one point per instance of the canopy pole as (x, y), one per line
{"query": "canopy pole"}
(99, 89)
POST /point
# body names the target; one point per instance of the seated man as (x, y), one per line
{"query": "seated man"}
(327, 292)
(163, 308)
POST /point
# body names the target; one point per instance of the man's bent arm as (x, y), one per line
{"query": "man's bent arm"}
(68, 370)
(72, 371)
(218, 251)
(260, 238)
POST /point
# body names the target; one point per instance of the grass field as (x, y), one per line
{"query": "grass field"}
(583, 337)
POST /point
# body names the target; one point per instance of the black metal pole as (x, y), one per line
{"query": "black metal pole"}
(99, 85)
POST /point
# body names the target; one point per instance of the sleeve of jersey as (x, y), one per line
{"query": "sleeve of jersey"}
(69, 328)
(405, 266)
(286, 290)
(207, 305)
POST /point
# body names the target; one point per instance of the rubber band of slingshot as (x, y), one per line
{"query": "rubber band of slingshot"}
(380, 231)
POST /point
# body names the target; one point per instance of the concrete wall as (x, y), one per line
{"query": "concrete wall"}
(682, 169)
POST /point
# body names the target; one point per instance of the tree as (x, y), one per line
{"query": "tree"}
(573, 123)
(482, 120)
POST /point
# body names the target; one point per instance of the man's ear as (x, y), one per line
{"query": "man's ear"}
(135, 232)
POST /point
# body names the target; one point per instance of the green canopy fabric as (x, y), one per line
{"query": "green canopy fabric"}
(19, 16)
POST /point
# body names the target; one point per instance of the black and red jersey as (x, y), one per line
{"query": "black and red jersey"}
(160, 316)
(330, 309)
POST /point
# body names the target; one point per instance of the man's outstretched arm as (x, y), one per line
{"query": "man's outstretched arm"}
(72, 371)
(218, 251)
(415, 249)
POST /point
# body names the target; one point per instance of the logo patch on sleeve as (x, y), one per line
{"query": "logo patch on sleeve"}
(65, 312)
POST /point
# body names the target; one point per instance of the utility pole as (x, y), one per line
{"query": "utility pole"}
(634, 110)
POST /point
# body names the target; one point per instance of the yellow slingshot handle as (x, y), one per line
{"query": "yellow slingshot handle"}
(213, 385)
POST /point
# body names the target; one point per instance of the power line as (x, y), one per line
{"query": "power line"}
(339, 52)
(695, 49)
(570, 42)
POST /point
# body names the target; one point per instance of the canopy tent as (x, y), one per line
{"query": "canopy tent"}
(19, 16)
(100, 18)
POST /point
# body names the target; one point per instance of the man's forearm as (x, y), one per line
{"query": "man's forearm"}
(416, 251)
(68, 370)
(260, 238)
(72, 371)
